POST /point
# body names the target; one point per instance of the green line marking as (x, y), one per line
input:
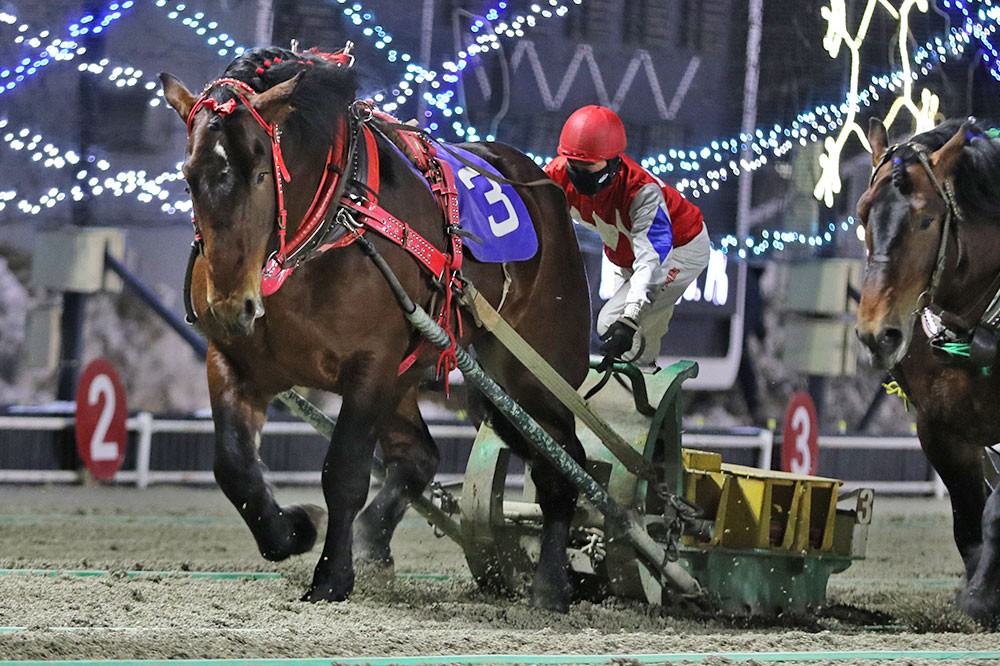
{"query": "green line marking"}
(213, 575)
(918, 582)
(187, 521)
(534, 659)
(89, 573)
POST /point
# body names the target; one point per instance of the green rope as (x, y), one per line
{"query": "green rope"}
(955, 348)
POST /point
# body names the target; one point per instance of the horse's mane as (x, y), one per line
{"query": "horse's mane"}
(977, 172)
(321, 97)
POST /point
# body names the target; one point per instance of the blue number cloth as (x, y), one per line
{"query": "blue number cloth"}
(490, 210)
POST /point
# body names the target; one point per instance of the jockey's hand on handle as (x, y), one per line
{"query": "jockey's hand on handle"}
(617, 340)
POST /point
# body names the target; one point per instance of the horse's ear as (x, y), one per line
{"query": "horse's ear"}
(177, 95)
(944, 158)
(273, 104)
(878, 138)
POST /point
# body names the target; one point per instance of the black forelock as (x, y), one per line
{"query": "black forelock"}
(322, 95)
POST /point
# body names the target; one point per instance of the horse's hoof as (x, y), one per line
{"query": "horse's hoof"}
(316, 514)
(335, 584)
(556, 605)
(984, 610)
(370, 551)
(381, 570)
(304, 521)
(551, 598)
(316, 595)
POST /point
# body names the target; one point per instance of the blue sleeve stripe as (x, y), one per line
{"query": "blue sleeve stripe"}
(661, 234)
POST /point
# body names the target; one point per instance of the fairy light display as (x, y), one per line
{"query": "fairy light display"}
(701, 171)
(58, 48)
(837, 35)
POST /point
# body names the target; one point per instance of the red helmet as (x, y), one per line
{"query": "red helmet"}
(591, 134)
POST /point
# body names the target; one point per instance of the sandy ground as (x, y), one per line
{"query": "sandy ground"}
(899, 598)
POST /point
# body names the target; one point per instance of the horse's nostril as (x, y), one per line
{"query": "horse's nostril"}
(889, 341)
(249, 310)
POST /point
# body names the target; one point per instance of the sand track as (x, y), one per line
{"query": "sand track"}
(899, 598)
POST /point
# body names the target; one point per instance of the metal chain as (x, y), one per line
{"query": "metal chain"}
(678, 512)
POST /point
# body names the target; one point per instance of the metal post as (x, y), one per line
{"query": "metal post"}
(134, 284)
(264, 27)
(143, 449)
(426, 38)
(75, 304)
(766, 438)
(749, 120)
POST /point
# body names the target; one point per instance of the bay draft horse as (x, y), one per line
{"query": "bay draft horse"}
(928, 315)
(261, 136)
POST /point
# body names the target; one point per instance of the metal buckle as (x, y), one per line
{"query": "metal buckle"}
(362, 110)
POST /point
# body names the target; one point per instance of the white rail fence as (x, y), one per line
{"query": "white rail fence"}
(145, 426)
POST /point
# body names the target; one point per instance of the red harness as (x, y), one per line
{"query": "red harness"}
(306, 244)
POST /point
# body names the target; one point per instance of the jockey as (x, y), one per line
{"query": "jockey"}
(656, 239)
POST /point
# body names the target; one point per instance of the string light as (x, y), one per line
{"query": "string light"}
(974, 19)
(707, 167)
(60, 49)
(775, 240)
(147, 190)
(196, 21)
(487, 30)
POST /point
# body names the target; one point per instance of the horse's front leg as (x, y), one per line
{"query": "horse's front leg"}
(346, 480)
(959, 464)
(239, 416)
(981, 597)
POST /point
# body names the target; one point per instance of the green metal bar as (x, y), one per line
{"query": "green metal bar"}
(621, 523)
(473, 660)
(677, 577)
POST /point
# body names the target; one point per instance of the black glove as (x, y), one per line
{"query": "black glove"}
(617, 340)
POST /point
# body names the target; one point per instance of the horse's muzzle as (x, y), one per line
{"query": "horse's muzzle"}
(237, 315)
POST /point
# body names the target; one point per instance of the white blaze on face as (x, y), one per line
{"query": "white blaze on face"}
(221, 152)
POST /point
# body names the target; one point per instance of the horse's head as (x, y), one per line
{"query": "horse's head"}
(246, 144)
(905, 212)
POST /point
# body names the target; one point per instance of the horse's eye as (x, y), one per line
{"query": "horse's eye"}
(926, 222)
(261, 176)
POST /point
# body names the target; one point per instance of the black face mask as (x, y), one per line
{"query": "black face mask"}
(590, 183)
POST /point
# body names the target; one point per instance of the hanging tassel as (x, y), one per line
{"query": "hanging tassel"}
(893, 388)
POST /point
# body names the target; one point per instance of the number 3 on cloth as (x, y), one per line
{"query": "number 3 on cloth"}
(493, 196)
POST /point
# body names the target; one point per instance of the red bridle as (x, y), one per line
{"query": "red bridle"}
(281, 175)
(321, 200)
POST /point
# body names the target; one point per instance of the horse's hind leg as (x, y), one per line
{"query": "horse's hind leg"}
(411, 459)
(980, 598)
(550, 587)
(278, 531)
